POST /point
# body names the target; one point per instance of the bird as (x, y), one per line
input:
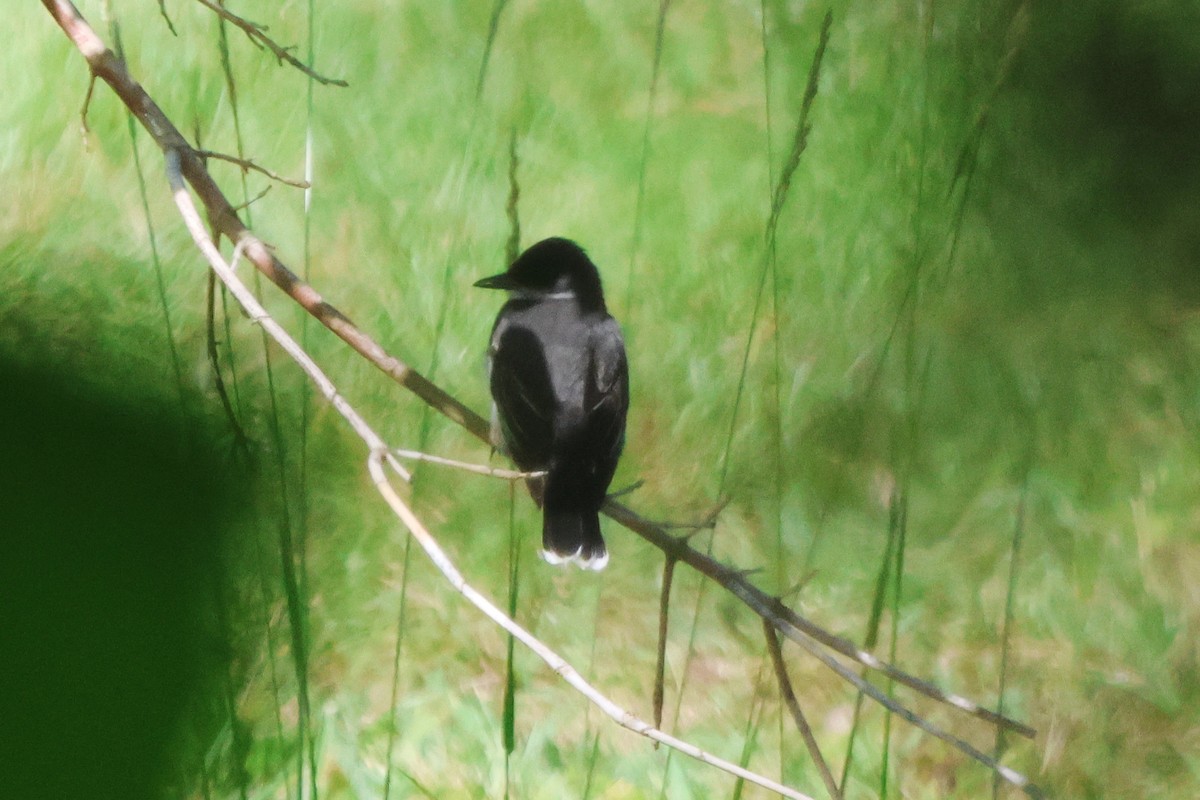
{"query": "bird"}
(559, 382)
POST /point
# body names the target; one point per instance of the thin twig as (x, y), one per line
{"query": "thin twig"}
(625, 490)
(705, 523)
(478, 469)
(248, 165)
(664, 609)
(162, 9)
(240, 441)
(789, 699)
(253, 200)
(84, 130)
(257, 35)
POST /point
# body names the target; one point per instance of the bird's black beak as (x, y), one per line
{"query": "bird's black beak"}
(501, 281)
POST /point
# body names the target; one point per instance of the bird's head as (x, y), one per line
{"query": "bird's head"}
(553, 268)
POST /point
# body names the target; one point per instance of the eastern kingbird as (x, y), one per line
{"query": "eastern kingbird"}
(560, 386)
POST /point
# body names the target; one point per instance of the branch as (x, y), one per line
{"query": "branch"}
(257, 34)
(162, 9)
(248, 165)
(789, 699)
(84, 130)
(664, 607)
(240, 441)
(478, 469)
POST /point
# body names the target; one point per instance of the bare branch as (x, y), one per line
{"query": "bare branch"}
(175, 158)
(162, 9)
(478, 469)
(664, 607)
(705, 523)
(84, 130)
(789, 699)
(253, 200)
(248, 165)
(257, 34)
(226, 222)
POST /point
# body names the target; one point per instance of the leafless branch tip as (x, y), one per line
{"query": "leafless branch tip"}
(257, 34)
(249, 166)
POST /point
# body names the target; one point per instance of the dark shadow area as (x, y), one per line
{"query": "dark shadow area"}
(110, 529)
(1093, 180)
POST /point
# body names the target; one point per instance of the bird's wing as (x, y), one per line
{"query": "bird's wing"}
(523, 394)
(608, 386)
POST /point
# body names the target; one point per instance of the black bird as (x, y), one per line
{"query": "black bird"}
(560, 385)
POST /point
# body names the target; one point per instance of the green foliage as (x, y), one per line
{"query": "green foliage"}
(987, 274)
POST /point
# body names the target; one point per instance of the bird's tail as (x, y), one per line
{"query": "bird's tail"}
(573, 536)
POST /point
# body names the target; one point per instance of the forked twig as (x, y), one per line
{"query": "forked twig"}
(253, 200)
(257, 34)
(248, 165)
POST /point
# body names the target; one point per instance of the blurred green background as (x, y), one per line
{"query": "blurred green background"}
(983, 312)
